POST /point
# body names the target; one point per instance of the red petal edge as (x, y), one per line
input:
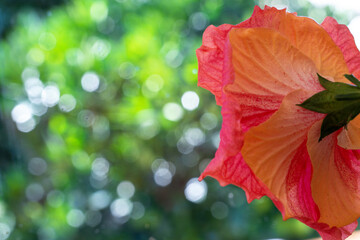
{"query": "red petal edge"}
(345, 41)
(228, 166)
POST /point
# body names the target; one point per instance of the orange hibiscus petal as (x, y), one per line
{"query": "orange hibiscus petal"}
(307, 36)
(276, 153)
(345, 41)
(266, 64)
(349, 138)
(336, 179)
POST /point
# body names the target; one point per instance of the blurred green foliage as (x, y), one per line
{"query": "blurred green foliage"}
(91, 101)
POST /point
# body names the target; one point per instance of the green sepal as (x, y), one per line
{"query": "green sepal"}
(340, 101)
(353, 79)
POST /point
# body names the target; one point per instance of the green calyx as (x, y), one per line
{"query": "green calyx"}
(340, 101)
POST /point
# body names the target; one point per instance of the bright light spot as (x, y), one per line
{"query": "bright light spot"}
(38, 109)
(190, 100)
(174, 58)
(154, 83)
(98, 11)
(148, 128)
(219, 210)
(90, 81)
(195, 191)
(27, 126)
(162, 177)
(37, 166)
(34, 88)
(67, 103)
(99, 200)
(125, 189)
(138, 211)
(30, 72)
(101, 49)
(55, 198)
(208, 121)
(34, 192)
(86, 118)
(148, 124)
(199, 20)
(50, 96)
(354, 27)
(5, 231)
(173, 111)
(35, 57)
(121, 207)
(21, 113)
(194, 136)
(47, 41)
(100, 168)
(93, 218)
(161, 163)
(75, 218)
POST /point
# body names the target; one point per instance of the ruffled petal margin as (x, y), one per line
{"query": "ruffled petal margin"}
(305, 35)
(228, 166)
(343, 38)
(322, 51)
(211, 57)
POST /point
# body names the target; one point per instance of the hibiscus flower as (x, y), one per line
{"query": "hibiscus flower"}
(260, 71)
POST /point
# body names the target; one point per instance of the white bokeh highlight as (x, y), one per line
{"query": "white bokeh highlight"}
(67, 103)
(22, 112)
(195, 191)
(75, 218)
(125, 189)
(90, 81)
(190, 100)
(173, 111)
(121, 207)
(50, 96)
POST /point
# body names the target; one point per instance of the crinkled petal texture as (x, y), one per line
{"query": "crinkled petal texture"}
(336, 179)
(345, 41)
(276, 153)
(259, 70)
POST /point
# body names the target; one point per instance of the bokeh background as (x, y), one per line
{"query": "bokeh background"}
(103, 130)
